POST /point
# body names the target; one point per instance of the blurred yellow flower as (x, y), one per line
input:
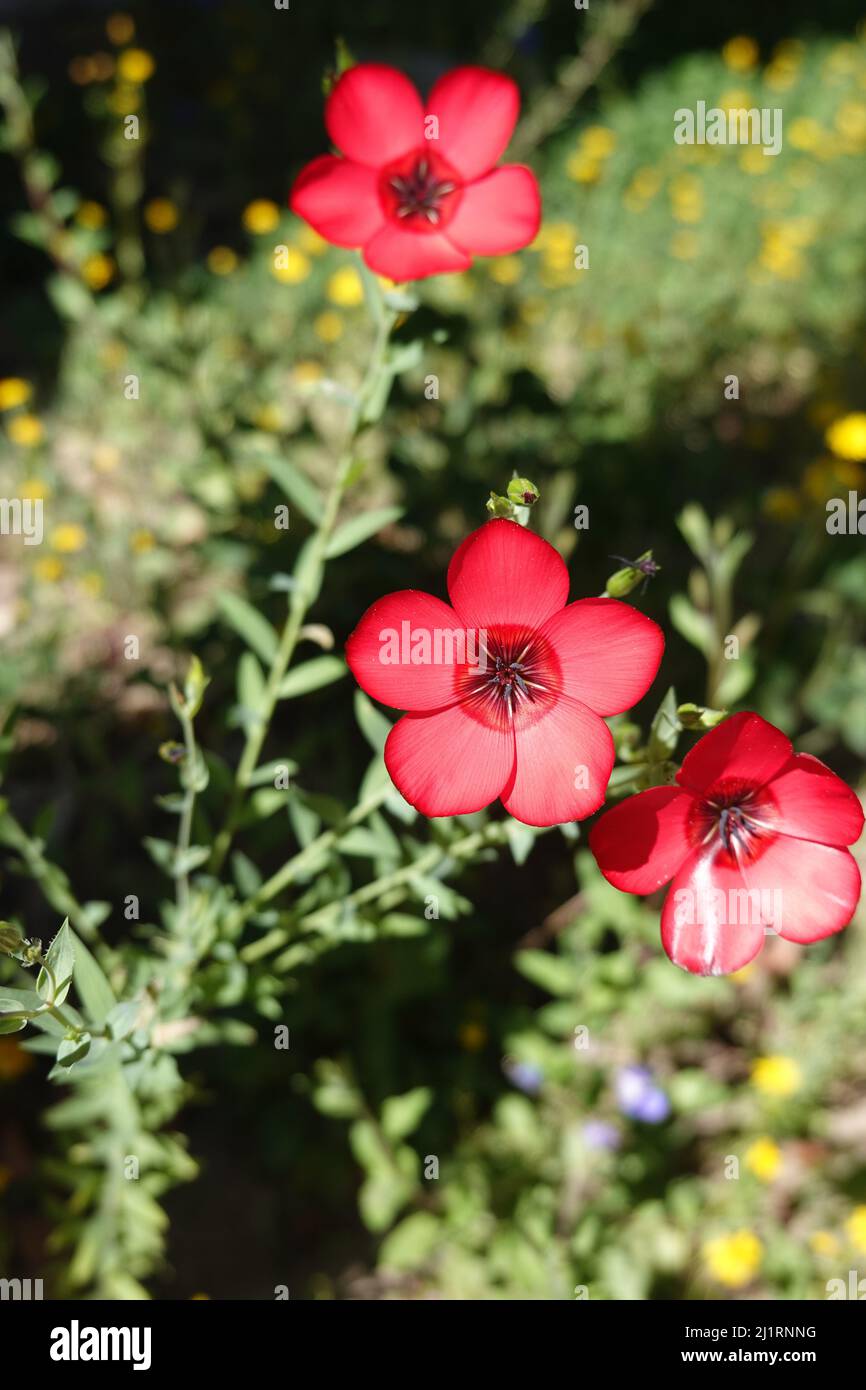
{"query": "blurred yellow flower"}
(161, 215)
(120, 28)
(68, 538)
(307, 372)
(292, 266)
(855, 1228)
(824, 1243)
(784, 66)
(91, 215)
(598, 141)
(135, 65)
(764, 1159)
(734, 1260)
(805, 133)
(644, 186)
(328, 326)
(98, 270)
(346, 288)
(781, 503)
(687, 198)
(14, 391)
(25, 430)
(268, 417)
(82, 70)
(776, 1075)
(310, 241)
(14, 1061)
(35, 488)
(847, 437)
(48, 570)
(505, 270)
(735, 100)
(754, 161)
(851, 123)
(583, 167)
(260, 216)
(222, 260)
(740, 53)
(472, 1036)
(141, 541)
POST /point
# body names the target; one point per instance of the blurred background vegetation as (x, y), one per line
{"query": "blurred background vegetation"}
(458, 1038)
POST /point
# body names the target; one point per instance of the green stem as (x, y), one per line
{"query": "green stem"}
(184, 831)
(431, 859)
(301, 600)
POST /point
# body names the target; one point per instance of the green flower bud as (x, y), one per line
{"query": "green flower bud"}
(173, 753)
(522, 492)
(500, 506)
(699, 716)
(194, 687)
(636, 572)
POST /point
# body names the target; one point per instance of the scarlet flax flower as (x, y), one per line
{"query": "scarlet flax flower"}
(506, 689)
(752, 838)
(416, 187)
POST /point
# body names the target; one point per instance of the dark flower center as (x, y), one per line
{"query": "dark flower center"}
(516, 681)
(731, 814)
(419, 191)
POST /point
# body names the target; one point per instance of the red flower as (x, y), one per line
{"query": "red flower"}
(417, 188)
(506, 689)
(752, 837)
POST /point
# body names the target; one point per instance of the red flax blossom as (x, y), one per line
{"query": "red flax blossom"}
(753, 838)
(505, 689)
(416, 186)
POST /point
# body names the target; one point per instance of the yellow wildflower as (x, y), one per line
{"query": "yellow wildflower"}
(14, 391)
(734, 1260)
(290, 266)
(25, 430)
(847, 437)
(98, 270)
(91, 215)
(222, 260)
(328, 326)
(346, 288)
(776, 1075)
(740, 53)
(68, 538)
(161, 215)
(135, 65)
(764, 1159)
(120, 28)
(855, 1228)
(260, 216)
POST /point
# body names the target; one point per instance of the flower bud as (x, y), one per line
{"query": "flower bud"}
(636, 572)
(699, 717)
(522, 492)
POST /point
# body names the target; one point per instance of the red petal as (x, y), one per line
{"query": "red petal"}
(809, 891)
(340, 199)
(709, 926)
(608, 652)
(499, 213)
(567, 747)
(640, 844)
(503, 573)
(745, 747)
(447, 764)
(405, 255)
(477, 111)
(374, 114)
(415, 680)
(809, 801)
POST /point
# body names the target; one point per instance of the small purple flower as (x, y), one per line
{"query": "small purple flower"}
(639, 1097)
(598, 1134)
(526, 1076)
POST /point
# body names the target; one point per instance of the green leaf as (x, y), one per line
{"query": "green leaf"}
(72, 1050)
(373, 725)
(12, 1025)
(251, 683)
(696, 627)
(249, 624)
(60, 956)
(12, 1001)
(411, 1243)
(553, 973)
(94, 991)
(297, 487)
(665, 729)
(401, 1115)
(360, 528)
(312, 675)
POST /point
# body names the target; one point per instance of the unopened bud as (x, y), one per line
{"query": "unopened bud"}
(699, 716)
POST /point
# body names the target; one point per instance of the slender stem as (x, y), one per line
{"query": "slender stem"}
(431, 859)
(51, 880)
(184, 830)
(301, 600)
